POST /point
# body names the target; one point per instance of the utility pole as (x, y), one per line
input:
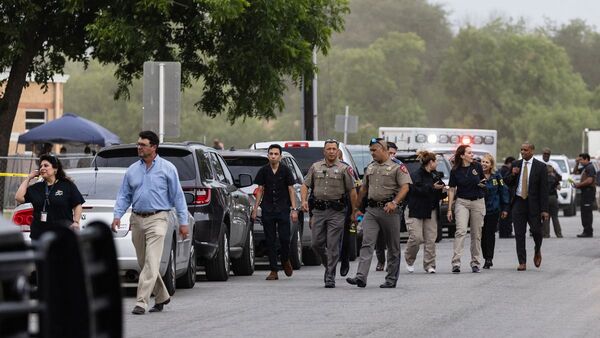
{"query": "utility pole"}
(310, 121)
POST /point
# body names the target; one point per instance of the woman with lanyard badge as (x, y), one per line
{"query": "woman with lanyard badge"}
(56, 200)
(466, 184)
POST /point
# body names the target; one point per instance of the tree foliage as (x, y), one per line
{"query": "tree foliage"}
(242, 50)
(499, 77)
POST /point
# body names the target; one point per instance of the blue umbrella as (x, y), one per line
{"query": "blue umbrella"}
(70, 129)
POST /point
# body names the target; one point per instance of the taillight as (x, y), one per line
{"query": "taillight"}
(255, 192)
(296, 145)
(202, 196)
(23, 218)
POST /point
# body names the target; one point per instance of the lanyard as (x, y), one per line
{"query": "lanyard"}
(47, 193)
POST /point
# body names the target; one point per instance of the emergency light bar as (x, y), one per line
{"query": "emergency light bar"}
(454, 139)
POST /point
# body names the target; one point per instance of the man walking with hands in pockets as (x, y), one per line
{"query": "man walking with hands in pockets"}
(151, 186)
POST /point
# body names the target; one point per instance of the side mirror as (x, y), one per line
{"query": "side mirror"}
(189, 197)
(244, 180)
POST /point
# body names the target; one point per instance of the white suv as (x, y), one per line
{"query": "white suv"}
(567, 193)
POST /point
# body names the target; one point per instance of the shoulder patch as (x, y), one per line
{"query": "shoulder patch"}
(403, 168)
(350, 171)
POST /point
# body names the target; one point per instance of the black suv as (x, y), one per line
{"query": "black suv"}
(249, 162)
(409, 158)
(223, 237)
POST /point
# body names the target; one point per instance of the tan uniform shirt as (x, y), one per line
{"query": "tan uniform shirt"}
(383, 180)
(329, 182)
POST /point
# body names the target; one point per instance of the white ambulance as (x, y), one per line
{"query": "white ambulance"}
(442, 140)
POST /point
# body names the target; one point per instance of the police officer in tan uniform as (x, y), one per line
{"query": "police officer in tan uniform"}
(330, 181)
(387, 184)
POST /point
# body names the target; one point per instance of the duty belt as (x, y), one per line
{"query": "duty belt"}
(337, 205)
(378, 204)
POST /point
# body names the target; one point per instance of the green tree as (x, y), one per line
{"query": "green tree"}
(242, 50)
(378, 83)
(501, 77)
(582, 43)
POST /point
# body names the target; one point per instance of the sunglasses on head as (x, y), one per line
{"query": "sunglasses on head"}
(375, 140)
(332, 140)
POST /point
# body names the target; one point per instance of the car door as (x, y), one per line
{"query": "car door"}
(240, 208)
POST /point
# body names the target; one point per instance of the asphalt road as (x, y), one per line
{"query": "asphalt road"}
(561, 299)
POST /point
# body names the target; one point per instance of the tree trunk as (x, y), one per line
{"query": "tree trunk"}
(9, 103)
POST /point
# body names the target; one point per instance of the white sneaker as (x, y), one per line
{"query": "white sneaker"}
(410, 268)
(431, 270)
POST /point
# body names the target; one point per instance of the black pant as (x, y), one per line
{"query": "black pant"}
(505, 226)
(380, 248)
(488, 237)
(273, 223)
(521, 216)
(587, 218)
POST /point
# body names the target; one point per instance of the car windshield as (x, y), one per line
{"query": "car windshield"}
(562, 164)
(124, 157)
(245, 165)
(306, 157)
(99, 185)
(362, 158)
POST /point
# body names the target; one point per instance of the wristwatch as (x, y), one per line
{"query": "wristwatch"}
(294, 209)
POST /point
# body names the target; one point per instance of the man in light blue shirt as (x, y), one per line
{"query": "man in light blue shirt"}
(151, 186)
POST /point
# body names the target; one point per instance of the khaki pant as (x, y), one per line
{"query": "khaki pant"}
(148, 236)
(377, 220)
(468, 213)
(421, 230)
(327, 229)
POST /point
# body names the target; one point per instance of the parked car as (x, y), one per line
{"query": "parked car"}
(99, 188)
(362, 157)
(567, 193)
(249, 162)
(306, 153)
(222, 235)
(409, 158)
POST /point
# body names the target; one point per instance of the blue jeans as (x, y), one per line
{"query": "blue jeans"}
(273, 223)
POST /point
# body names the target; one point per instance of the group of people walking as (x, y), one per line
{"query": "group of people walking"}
(523, 193)
(480, 198)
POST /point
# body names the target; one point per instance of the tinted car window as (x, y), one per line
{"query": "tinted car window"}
(98, 186)
(226, 171)
(245, 165)
(306, 157)
(124, 157)
(214, 161)
(204, 165)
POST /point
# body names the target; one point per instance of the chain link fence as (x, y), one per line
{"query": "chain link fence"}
(14, 169)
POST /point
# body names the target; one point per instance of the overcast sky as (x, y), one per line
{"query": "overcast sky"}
(534, 11)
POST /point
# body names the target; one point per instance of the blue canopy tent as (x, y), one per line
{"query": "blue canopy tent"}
(70, 129)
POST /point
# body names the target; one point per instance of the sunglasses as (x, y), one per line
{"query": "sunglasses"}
(332, 140)
(375, 140)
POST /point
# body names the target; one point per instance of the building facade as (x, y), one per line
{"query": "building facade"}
(36, 107)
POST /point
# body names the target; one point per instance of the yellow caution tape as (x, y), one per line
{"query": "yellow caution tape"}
(13, 175)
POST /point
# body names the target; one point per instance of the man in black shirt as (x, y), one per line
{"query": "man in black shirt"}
(275, 196)
(587, 185)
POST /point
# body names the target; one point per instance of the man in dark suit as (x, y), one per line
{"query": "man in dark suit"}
(529, 182)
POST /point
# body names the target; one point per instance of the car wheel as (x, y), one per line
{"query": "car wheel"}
(440, 231)
(169, 276)
(309, 257)
(353, 250)
(571, 210)
(296, 250)
(218, 268)
(451, 230)
(188, 280)
(244, 266)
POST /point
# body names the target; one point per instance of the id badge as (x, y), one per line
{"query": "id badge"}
(44, 216)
